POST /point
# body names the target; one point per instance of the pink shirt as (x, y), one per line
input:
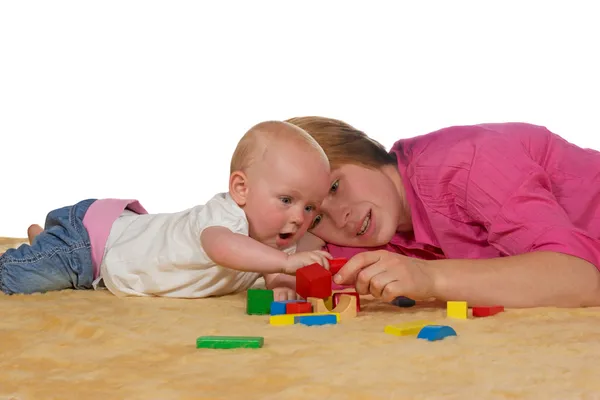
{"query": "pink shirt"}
(98, 221)
(495, 190)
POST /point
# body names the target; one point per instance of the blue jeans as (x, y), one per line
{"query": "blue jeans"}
(59, 257)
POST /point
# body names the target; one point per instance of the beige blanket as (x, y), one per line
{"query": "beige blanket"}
(76, 345)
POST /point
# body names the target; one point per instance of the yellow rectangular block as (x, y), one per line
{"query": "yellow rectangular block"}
(288, 319)
(457, 309)
(406, 328)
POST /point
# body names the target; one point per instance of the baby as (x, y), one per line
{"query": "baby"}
(279, 176)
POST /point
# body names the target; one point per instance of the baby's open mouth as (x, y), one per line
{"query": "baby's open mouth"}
(285, 235)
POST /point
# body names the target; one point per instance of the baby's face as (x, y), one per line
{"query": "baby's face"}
(285, 192)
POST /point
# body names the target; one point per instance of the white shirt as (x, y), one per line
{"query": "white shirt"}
(161, 254)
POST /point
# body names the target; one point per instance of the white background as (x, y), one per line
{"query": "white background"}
(147, 99)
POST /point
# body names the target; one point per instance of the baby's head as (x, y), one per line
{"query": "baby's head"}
(279, 177)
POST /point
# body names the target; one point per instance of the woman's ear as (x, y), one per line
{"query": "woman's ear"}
(238, 187)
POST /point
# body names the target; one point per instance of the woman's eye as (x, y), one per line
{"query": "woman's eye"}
(309, 209)
(334, 186)
(316, 221)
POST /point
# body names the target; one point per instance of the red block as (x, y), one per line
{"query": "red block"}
(301, 307)
(336, 264)
(313, 281)
(487, 311)
(336, 299)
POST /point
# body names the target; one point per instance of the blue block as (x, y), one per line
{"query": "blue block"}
(435, 332)
(311, 320)
(278, 307)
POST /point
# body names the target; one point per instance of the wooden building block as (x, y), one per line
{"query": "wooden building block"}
(229, 342)
(313, 281)
(457, 309)
(279, 307)
(346, 307)
(487, 311)
(336, 264)
(298, 307)
(288, 319)
(258, 301)
(436, 332)
(336, 298)
(406, 328)
(312, 320)
(318, 305)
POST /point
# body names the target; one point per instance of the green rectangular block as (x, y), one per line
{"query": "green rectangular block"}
(230, 342)
(259, 301)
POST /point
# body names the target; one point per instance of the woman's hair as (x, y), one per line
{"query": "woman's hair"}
(343, 143)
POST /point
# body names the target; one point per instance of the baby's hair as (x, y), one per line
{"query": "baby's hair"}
(343, 143)
(253, 145)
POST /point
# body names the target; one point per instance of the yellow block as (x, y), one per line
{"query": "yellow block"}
(288, 319)
(457, 309)
(406, 328)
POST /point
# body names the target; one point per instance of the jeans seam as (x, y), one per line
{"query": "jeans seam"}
(2, 288)
(71, 249)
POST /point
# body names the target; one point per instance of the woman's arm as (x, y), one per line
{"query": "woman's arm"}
(534, 279)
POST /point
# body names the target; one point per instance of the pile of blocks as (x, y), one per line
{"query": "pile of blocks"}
(432, 332)
(321, 305)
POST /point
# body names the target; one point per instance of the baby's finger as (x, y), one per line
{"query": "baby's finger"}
(323, 254)
(324, 262)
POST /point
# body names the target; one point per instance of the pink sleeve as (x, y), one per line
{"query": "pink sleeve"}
(511, 195)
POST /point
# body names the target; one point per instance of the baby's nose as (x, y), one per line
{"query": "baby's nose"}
(298, 217)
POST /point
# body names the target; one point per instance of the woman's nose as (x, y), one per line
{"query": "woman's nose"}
(337, 211)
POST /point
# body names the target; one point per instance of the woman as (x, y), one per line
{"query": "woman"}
(490, 214)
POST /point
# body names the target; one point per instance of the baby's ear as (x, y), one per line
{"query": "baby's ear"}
(238, 187)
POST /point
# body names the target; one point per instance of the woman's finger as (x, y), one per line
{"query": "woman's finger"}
(365, 277)
(347, 275)
(392, 289)
(379, 281)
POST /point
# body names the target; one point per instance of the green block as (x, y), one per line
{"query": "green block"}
(259, 301)
(229, 342)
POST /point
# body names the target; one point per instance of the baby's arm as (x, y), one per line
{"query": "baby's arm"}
(280, 280)
(283, 286)
(237, 251)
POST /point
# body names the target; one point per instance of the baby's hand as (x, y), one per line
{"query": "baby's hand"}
(284, 293)
(304, 258)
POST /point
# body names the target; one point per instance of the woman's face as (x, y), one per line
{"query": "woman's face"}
(364, 207)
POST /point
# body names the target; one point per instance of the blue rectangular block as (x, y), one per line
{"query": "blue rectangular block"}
(278, 307)
(312, 320)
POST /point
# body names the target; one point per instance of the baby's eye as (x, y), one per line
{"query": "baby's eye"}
(334, 186)
(316, 221)
(286, 200)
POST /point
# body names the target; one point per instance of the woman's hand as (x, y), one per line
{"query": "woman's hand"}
(387, 275)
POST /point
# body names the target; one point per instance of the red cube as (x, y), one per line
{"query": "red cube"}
(300, 307)
(313, 281)
(336, 299)
(336, 264)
